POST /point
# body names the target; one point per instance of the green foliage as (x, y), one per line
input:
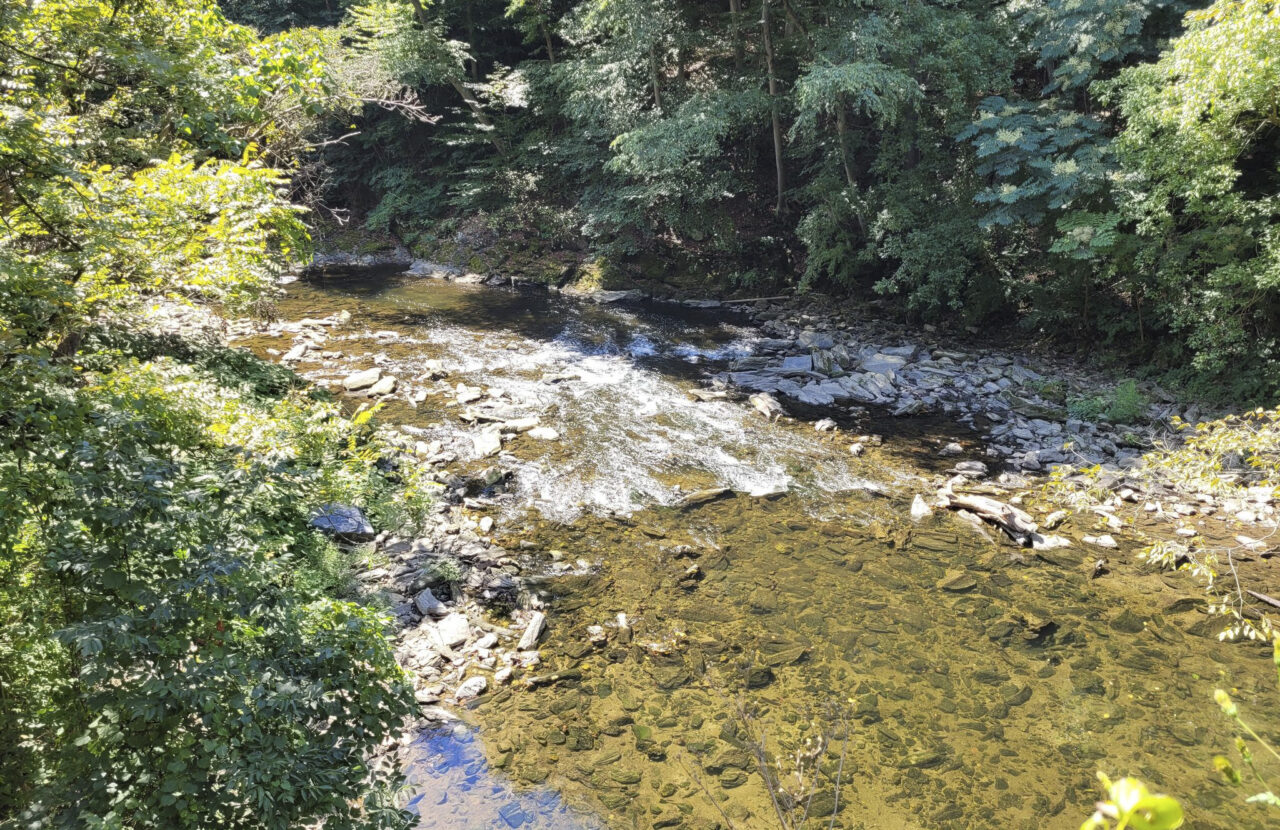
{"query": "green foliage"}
(1200, 184)
(1125, 405)
(1129, 805)
(1232, 711)
(174, 652)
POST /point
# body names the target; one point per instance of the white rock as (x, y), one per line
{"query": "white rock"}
(502, 676)
(473, 687)
(487, 641)
(385, 386)
(1054, 519)
(428, 605)
(1103, 541)
(521, 424)
(537, 624)
(487, 442)
(825, 425)
(486, 524)
(296, 353)
(919, 508)
(362, 380)
(453, 630)
(543, 434)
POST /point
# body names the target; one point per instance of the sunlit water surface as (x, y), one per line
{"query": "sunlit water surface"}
(942, 679)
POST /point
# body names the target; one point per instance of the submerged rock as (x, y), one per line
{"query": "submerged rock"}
(698, 497)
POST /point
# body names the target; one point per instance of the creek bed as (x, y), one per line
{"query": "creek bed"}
(944, 680)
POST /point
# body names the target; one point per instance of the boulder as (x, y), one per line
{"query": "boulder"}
(815, 340)
(385, 386)
(362, 380)
(471, 687)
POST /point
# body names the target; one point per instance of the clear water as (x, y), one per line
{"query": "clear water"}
(814, 632)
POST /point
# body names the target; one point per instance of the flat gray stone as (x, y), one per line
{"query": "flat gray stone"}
(797, 363)
(343, 520)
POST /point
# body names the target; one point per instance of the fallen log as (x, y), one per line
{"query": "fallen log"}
(1016, 523)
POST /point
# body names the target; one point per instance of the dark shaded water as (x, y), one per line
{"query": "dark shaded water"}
(941, 678)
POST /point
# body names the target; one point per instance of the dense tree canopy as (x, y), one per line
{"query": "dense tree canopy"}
(1041, 162)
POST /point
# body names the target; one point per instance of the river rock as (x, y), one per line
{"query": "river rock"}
(957, 581)
(797, 364)
(1033, 409)
(428, 605)
(487, 442)
(1103, 541)
(703, 496)
(343, 520)
(521, 424)
(362, 380)
(920, 509)
(472, 687)
(468, 394)
(537, 624)
(882, 363)
(972, 469)
(453, 630)
(385, 386)
(543, 434)
(815, 340)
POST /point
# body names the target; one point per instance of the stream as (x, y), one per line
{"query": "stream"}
(892, 674)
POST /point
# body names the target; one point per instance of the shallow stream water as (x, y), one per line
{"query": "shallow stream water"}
(888, 674)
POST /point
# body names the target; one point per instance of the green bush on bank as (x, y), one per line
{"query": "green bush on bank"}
(177, 645)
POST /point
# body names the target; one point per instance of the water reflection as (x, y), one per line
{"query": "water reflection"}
(455, 789)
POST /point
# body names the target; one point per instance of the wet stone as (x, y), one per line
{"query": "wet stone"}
(731, 778)
(1127, 622)
(758, 677)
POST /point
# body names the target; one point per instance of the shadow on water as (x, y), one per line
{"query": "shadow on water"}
(388, 299)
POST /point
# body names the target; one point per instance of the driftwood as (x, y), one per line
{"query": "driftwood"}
(1017, 524)
(1272, 601)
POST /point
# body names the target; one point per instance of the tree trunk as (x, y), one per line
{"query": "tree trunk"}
(546, 35)
(653, 70)
(735, 23)
(773, 100)
(461, 89)
(842, 130)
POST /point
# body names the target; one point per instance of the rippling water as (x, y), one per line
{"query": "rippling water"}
(940, 678)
